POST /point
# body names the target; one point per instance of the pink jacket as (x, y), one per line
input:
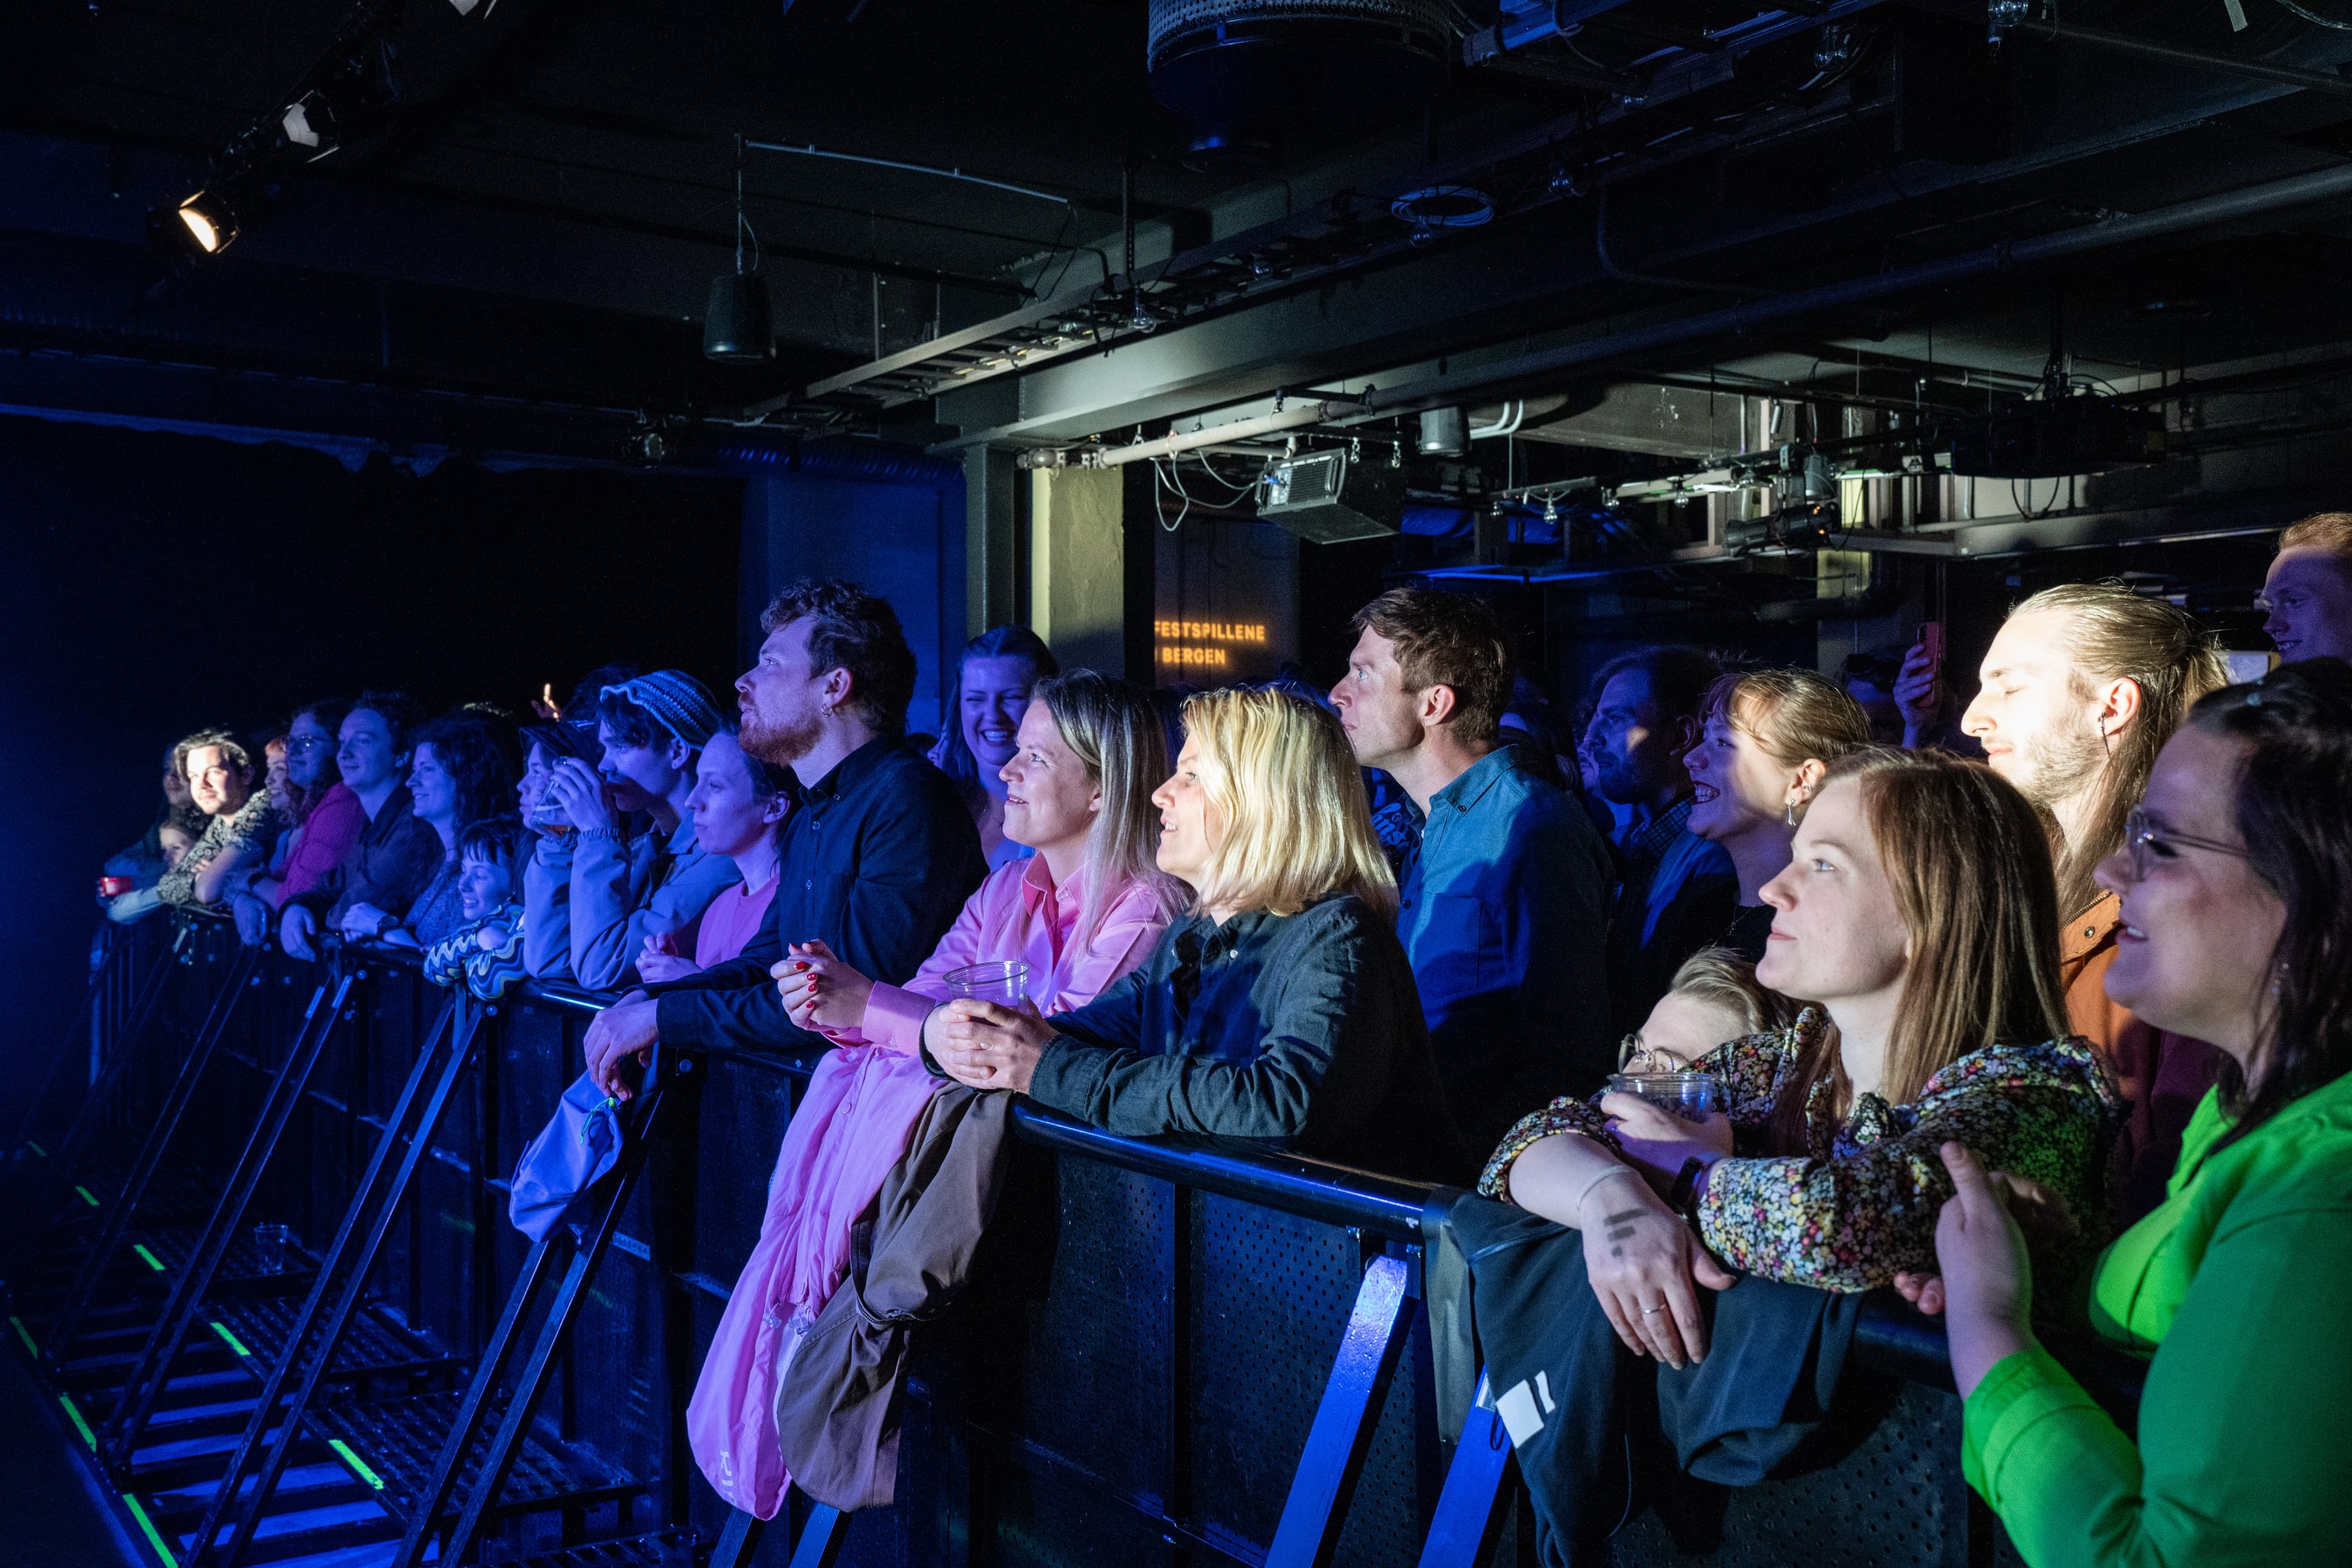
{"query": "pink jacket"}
(327, 836)
(1017, 913)
(849, 1130)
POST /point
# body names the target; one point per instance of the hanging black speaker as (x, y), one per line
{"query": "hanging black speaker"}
(735, 322)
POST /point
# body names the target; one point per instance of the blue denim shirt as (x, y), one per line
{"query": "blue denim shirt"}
(1505, 918)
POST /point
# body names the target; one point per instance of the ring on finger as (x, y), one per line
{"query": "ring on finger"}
(1647, 1312)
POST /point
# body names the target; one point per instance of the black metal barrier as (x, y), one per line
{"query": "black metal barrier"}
(1167, 1354)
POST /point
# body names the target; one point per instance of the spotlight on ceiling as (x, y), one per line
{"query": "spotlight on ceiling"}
(213, 217)
(310, 122)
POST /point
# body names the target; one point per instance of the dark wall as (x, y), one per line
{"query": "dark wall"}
(153, 583)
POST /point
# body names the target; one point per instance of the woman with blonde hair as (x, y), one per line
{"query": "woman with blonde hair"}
(1279, 1008)
(1769, 738)
(1080, 912)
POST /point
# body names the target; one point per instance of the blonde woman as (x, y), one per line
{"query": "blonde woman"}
(1081, 912)
(1769, 738)
(1279, 1008)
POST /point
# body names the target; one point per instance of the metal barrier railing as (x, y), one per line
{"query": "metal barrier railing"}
(1189, 1297)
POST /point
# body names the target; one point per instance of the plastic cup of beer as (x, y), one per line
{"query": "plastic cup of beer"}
(1681, 1092)
(1003, 981)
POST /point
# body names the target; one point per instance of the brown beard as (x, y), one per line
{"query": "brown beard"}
(778, 746)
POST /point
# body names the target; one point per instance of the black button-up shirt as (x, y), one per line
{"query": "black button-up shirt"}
(1300, 1031)
(875, 862)
(396, 854)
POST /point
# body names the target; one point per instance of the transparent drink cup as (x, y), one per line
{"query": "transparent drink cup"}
(1003, 981)
(1683, 1092)
(269, 1243)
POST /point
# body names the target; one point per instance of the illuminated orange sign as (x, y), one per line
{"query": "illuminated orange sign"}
(1204, 644)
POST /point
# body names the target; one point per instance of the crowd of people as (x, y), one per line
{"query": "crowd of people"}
(2074, 1013)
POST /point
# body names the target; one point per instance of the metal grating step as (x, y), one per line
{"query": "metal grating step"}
(671, 1548)
(399, 1439)
(262, 1325)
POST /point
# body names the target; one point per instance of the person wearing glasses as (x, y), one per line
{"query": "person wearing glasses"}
(2079, 692)
(327, 816)
(2235, 884)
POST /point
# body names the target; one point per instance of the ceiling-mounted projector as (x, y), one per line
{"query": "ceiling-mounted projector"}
(1271, 63)
(1324, 497)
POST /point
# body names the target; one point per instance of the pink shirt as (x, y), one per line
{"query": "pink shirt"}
(731, 921)
(327, 836)
(1017, 913)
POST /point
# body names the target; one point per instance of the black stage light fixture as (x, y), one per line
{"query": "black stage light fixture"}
(310, 122)
(735, 324)
(213, 218)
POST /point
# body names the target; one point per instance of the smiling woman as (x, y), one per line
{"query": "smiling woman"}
(998, 672)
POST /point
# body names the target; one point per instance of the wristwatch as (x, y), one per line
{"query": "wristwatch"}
(1689, 1186)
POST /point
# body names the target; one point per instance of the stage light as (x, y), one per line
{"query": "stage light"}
(212, 218)
(310, 121)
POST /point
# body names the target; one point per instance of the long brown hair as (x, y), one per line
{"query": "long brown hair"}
(2295, 810)
(1970, 868)
(2114, 633)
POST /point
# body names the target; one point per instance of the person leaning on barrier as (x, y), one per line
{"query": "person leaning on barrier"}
(241, 825)
(459, 774)
(626, 886)
(1770, 736)
(327, 817)
(1917, 910)
(1503, 896)
(1280, 1009)
(876, 861)
(2236, 884)
(737, 803)
(395, 854)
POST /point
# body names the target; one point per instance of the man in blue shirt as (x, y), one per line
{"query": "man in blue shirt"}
(1503, 900)
(875, 861)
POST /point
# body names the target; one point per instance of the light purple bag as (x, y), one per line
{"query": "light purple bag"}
(577, 1147)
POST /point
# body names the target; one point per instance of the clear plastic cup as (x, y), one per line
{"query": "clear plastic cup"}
(1685, 1092)
(549, 813)
(1003, 981)
(270, 1245)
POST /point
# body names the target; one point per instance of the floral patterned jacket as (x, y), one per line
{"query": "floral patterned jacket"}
(1860, 1205)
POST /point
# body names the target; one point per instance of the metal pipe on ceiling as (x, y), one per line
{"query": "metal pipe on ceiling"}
(2253, 201)
(2195, 59)
(1215, 434)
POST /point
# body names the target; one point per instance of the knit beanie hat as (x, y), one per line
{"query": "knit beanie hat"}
(677, 701)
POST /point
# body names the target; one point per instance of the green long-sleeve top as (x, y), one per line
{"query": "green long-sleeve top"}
(2242, 1283)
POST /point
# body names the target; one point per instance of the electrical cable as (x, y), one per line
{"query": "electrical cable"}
(2316, 20)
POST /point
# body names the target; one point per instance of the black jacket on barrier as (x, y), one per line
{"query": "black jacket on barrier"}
(1301, 1031)
(875, 862)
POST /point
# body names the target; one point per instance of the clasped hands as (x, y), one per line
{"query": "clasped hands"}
(982, 1044)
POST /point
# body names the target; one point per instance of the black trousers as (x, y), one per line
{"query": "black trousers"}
(1580, 1407)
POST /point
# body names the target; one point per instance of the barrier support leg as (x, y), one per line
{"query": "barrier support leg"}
(740, 1542)
(499, 1459)
(374, 1205)
(119, 1214)
(1335, 1444)
(821, 1539)
(154, 1369)
(1470, 1509)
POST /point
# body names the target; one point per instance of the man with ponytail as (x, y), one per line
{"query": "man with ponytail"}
(2080, 690)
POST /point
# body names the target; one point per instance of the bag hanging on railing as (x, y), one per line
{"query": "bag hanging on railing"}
(849, 1132)
(838, 1405)
(576, 1148)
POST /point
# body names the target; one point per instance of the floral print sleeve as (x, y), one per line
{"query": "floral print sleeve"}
(1862, 1205)
(1751, 1068)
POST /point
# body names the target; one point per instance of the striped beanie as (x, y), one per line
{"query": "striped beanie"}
(677, 701)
